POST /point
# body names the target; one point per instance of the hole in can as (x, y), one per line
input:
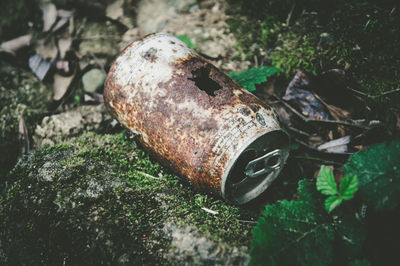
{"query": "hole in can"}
(202, 80)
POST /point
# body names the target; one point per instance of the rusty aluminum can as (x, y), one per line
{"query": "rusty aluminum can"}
(195, 119)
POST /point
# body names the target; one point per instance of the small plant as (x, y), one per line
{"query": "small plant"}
(253, 76)
(301, 232)
(326, 185)
(186, 40)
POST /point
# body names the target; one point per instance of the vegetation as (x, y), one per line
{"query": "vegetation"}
(21, 96)
(99, 199)
(360, 36)
(326, 184)
(253, 76)
(357, 232)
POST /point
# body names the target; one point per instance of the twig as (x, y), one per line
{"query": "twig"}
(256, 61)
(290, 15)
(308, 120)
(298, 131)
(375, 96)
(98, 62)
(98, 37)
(324, 152)
(317, 159)
(23, 135)
(147, 175)
(209, 211)
(246, 221)
(219, 57)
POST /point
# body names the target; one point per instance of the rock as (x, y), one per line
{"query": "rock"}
(91, 201)
(100, 39)
(116, 11)
(93, 80)
(154, 15)
(59, 127)
(128, 37)
(205, 24)
(190, 247)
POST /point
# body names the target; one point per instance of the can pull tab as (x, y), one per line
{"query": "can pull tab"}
(267, 163)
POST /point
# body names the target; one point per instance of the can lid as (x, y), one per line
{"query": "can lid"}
(255, 167)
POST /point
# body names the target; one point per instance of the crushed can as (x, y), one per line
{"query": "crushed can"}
(195, 119)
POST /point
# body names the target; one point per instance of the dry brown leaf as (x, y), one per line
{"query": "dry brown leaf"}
(47, 49)
(64, 17)
(63, 66)
(339, 145)
(115, 11)
(49, 15)
(64, 45)
(62, 13)
(60, 23)
(61, 85)
(14, 45)
(336, 113)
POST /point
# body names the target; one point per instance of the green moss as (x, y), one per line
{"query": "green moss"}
(21, 94)
(92, 198)
(295, 52)
(15, 16)
(290, 34)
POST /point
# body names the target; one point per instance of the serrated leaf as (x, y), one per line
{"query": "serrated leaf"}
(326, 182)
(348, 186)
(352, 233)
(378, 171)
(332, 202)
(186, 40)
(288, 230)
(249, 78)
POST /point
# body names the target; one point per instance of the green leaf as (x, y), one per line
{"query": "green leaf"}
(288, 230)
(326, 182)
(249, 78)
(332, 202)
(186, 40)
(348, 186)
(378, 172)
(352, 233)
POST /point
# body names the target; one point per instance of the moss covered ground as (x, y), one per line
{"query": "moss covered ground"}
(360, 36)
(21, 95)
(101, 199)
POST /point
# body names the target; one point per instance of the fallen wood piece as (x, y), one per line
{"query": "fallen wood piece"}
(336, 146)
(12, 46)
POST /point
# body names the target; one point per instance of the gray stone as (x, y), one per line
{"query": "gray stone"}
(93, 80)
(190, 247)
(154, 15)
(59, 127)
(100, 39)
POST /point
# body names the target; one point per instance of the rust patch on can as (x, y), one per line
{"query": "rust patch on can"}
(188, 114)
